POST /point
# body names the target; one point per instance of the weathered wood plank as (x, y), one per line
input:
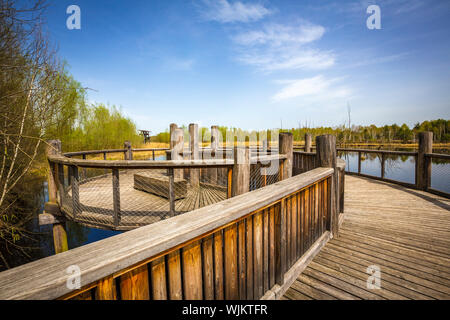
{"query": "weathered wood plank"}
(258, 254)
(218, 266)
(134, 284)
(106, 289)
(249, 257)
(208, 268)
(242, 259)
(288, 213)
(265, 220)
(272, 263)
(294, 228)
(174, 275)
(158, 275)
(192, 271)
(231, 259)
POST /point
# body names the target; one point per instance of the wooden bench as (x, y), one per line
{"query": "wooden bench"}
(159, 185)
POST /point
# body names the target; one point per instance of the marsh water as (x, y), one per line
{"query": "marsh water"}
(401, 168)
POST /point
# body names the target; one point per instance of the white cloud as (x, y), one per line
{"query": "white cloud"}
(278, 35)
(281, 47)
(288, 58)
(317, 86)
(376, 60)
(224, 11)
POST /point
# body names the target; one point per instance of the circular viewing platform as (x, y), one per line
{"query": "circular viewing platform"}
(137, 207)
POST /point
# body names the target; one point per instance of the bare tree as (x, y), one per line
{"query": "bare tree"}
(31, 89)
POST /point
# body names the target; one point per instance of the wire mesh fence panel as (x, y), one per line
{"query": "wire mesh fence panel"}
(303, 162)
(371, 164)
(149, 154)
(440, 175)
(262, 175)
(401, 168)
(351, 160)
(129, 198)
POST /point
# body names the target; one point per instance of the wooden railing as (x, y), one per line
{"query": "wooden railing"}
(423, 158)
(306, 161)
(247, 247)
(127, 152)
(66, 185)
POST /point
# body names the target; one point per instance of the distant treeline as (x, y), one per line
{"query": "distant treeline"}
(355, 134)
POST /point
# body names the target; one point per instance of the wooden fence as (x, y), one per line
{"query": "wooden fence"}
(248, 247)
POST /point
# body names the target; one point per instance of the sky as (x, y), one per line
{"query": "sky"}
(260, 64)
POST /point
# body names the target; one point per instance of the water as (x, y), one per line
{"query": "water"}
(399, 168)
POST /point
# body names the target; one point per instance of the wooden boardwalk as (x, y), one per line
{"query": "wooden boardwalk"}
(405, 232)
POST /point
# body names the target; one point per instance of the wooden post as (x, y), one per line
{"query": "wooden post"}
(61, 183)
(59, 229)
(308, 142)
(194, 174)
(326, 157)
(129, 152)
(423, 163)
(359, 162)
(116, 196)
(104, 158)
(280, 242)
(173, 127)
(241, 171)
(383, 165)
(153, 154)
(171, 192)
(215, 137)
(75, 180)
(214, 152)
(286, 146)
(177, 149)
(53, 148)
(60, 237)
(84, 169)
(229, 181)
(341, 190)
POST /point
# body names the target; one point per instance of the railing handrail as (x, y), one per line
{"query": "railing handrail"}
(438, 156)
(47, 278)
(148, 149)
(80, 153)
(88, 152)
(416, 185)
(305, 153)
(404, 153)
(151, 164)
(140, 164)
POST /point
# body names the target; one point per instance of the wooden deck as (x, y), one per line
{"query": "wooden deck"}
(405, 232)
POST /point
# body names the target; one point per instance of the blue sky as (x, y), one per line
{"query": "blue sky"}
(257, 64)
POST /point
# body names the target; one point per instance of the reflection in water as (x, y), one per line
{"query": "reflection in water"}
(399, 167)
